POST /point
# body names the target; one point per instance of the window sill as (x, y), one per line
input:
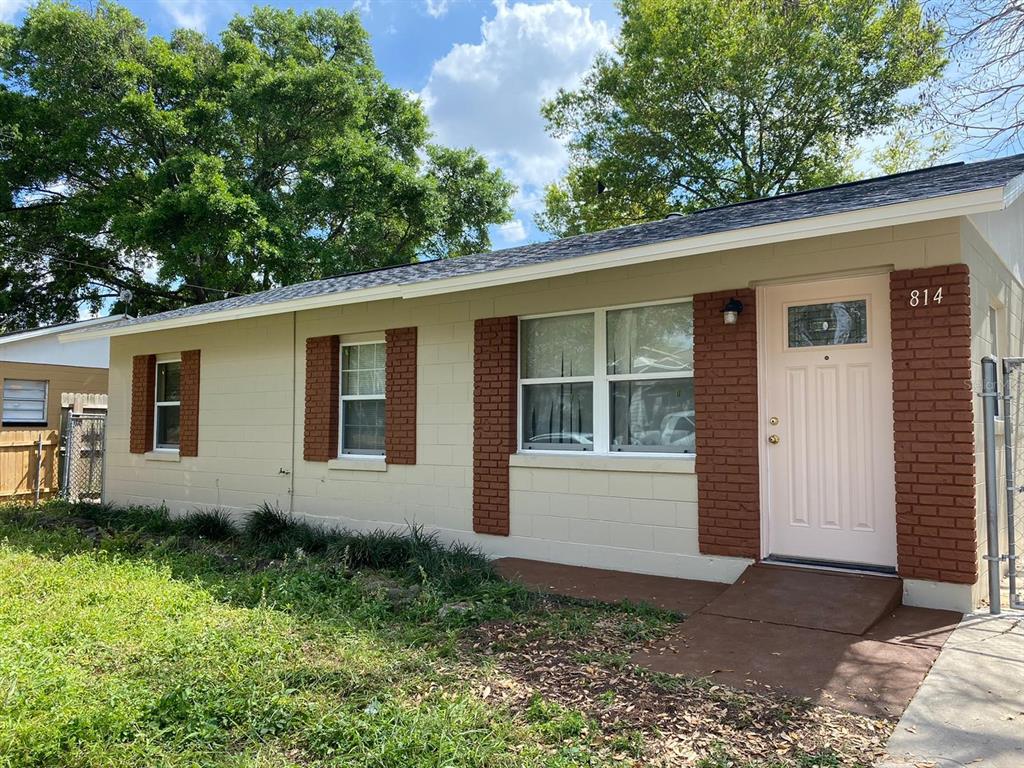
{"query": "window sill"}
(681, 465)
(162, 454)
(359, 463)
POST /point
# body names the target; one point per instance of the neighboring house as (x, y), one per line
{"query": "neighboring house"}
(36, 368)
(791, 378)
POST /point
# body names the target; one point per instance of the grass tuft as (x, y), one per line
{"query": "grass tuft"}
(214, 524)
(267, 524)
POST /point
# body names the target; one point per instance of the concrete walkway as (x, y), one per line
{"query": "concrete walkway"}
(970, 709)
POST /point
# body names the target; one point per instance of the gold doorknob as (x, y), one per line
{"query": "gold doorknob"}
(773, 439)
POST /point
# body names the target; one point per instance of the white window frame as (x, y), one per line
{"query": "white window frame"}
(342, 397)
(162, 360)
(601, 381)
(46, 404)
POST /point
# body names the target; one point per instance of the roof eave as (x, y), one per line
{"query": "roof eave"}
(72, 335)
(947, 206)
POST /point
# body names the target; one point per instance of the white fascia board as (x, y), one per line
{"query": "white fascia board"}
(64, 330)
(963, 204)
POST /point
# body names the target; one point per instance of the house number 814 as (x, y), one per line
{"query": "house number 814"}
(926, 297)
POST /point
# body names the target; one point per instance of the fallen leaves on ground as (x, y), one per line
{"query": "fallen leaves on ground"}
(681, 720)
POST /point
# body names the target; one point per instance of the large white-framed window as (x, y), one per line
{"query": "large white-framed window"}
(612, 380)
(167, 421)
(24, 403)
(361, 417)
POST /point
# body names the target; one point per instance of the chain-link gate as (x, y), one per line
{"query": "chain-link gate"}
(1012, 402)
(84, 440)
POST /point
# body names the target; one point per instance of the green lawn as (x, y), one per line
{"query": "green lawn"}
(128, 639)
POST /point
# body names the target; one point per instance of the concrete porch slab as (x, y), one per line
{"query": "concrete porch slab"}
(814, 599)
(875, 675)
(870, 661)
(683, 596)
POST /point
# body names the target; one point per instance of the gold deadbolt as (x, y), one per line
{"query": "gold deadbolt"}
(773, 439)
(773, 420)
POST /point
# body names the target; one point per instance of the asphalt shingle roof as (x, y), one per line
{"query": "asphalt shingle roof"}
(928, 183)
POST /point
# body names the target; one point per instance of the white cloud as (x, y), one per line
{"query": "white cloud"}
(361, 7)
(11, 8)
(185, 13)
(488, 94)
(436, 8)
(511, 233)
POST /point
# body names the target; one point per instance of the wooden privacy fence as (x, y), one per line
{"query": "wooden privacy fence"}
(24, 467)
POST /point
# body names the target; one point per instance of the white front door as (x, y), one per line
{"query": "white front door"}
(827, 421)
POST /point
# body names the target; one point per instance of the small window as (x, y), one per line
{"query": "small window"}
(362, 398)
(827, 325)
(168, 404)
(24, 403)
(557, 374)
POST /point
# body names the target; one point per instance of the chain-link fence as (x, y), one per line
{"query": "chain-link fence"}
(82, 478)
(1012, 405)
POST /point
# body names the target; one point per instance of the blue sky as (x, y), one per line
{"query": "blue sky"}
(481, 67)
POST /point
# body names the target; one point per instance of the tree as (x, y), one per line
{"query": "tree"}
(907, 150)
(709, 102)
(188, 170)
(984, 96)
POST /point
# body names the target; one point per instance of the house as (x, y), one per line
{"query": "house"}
(36, 367)
(791, 378)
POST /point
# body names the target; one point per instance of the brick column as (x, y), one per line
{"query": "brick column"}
(188, 440)
(494, 420)
(725, 399)
(933, 407)
(320, 435)
(143, 414)
(400, 400)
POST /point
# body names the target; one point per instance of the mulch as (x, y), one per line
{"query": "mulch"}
(682, 720)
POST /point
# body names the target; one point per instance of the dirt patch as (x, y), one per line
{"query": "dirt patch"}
(680, 720)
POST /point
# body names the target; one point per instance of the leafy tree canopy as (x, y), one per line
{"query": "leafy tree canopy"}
(187, 170)
(709, 102)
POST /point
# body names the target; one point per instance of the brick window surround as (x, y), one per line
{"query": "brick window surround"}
(495, 353)
(188, 440)
(143, 409)
(933, 406)
(725, 400)
(320, 428)
(400, 396)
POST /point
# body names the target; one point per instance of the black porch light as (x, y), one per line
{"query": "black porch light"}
(731, 311)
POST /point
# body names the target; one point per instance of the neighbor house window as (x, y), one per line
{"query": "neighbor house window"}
(24, 403)
(361, 428)
(168, 404)
(616, 380)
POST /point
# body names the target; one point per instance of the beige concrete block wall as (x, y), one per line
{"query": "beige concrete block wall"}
(615, 512)
(994, 286)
